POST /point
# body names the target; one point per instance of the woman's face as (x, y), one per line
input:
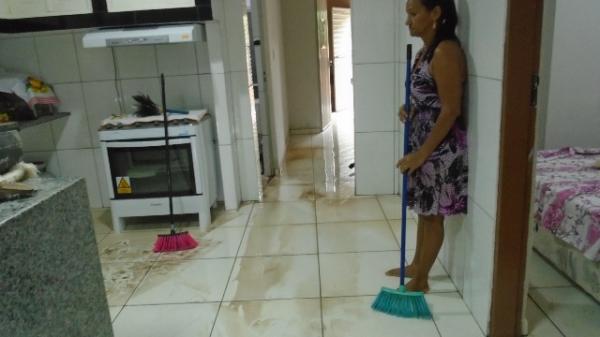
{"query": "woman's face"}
(419, 19)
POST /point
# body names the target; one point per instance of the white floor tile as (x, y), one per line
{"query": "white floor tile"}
(451, 315)
(392, 206)
(132, 246)
(295, 177)
(114, 311)
(300, 141)
(100, 237)
(361, 274)
(352, 237)
(297, 159)
(285, 277)
(231, 218)
(184, 282)
(279, 192)
(355, 209)
(121, 279)
(353, 317)
(357, 274)
(290, 318)
(538, 323)
(543, 275)
(573, 311)
(181, 320)
(411, 232)
(279, 240)
(102, 221)
(283, 213)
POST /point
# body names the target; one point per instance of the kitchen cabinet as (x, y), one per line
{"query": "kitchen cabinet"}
(18, 9)
(139, 5)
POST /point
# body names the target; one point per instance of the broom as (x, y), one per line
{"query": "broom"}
(174, 241)
(401, 302)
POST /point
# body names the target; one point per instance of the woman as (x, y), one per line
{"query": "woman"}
(437, 164)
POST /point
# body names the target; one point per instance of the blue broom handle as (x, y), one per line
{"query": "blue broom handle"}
(407, 108)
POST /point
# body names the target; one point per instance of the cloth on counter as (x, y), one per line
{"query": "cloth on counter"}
(194, 117)
(568, 197)
(21, 171)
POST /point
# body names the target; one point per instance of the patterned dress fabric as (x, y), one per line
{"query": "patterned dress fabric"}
(440, 185)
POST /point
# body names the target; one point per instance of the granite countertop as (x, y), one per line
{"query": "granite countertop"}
(45, 188)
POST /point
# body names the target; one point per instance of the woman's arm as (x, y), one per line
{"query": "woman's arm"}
(448, 71)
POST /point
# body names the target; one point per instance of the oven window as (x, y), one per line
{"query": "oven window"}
(141, 172)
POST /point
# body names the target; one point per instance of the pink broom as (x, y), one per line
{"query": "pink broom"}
(174, 241)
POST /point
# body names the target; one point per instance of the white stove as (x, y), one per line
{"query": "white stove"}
(134, 159)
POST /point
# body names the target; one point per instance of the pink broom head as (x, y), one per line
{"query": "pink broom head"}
(174, 242)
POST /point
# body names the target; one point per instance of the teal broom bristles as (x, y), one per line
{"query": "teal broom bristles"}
(401, 302)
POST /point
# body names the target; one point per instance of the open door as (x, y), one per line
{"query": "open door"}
(325, 61)
(342, 93)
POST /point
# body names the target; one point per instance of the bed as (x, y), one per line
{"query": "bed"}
(567, 214)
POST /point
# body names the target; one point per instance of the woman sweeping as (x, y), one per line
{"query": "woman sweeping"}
(437, 165)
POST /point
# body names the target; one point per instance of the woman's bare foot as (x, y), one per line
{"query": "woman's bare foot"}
(418, 285)
(411, 271)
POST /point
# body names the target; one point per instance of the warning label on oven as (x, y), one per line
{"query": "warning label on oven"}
(123, 185)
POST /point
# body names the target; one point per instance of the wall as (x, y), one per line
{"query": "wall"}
(468, 251)
(377, 66)
(379, 72)
(572, 102)
(274, 61)
(228, 40)
(301, 65)
(83, 80)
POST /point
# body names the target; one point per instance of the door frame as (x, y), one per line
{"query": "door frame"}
(517, 141)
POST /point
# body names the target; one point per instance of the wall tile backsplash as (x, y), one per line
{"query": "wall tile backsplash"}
(59, 58)
(84, 80)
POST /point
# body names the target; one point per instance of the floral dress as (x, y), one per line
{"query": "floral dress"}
(439, 186)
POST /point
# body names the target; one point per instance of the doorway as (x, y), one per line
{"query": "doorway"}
(341, 54)
(552, 289)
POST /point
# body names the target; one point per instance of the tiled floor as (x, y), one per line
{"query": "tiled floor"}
(305, 263)
(557, 308)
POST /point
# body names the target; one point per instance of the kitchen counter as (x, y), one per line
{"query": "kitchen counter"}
(51, 283)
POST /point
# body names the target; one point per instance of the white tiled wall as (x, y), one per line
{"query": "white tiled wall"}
(572, 117)
(379, 63)
(374, 97)
(137, 61)
(237, 137)
(381, 168)
(20, 54)
(372, 40)
(84, 81)
(468, 251)
(59, 62)
(375, 91)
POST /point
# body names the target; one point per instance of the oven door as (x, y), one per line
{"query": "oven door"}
(137, 169)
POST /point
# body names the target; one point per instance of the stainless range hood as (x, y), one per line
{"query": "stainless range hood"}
(141, 35)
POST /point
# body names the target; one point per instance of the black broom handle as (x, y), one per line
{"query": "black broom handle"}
(167, 149)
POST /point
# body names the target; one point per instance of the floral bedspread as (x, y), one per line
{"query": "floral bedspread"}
(568, 197)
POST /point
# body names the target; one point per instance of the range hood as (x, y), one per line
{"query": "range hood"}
(141, 35)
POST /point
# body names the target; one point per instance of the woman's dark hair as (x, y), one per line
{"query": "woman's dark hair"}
(446, 23)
